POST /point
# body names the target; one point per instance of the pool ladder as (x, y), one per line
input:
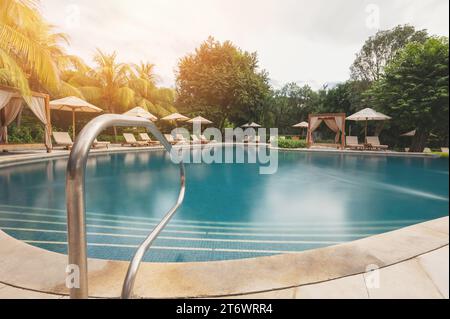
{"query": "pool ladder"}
(75, 201)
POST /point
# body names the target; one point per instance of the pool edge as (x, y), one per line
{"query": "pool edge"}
(31, 268)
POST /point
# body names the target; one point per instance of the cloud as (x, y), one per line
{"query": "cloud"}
(297, 40)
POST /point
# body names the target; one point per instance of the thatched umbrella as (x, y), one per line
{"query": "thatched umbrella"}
(367, 115)
(75, 105)
(140, 112)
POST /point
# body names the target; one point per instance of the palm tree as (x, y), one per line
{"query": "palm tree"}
(158, 101)
(107, 84)
(24, 52)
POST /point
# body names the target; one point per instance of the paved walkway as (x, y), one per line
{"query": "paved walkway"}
(425, 276)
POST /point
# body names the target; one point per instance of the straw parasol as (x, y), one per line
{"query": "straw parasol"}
(75, 105)
(409, 134)
(199, 120)
(140, 112)
(177, 117)
(251, 125)
(367, 115)
(301, 125)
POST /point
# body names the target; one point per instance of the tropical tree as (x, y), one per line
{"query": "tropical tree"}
(414, 90)
(31, 54)
(380, 49)
(107, 84)
(158, 101)
(222, 81)
(290, 105)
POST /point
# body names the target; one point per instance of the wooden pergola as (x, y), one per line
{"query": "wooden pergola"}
(45, 113)
(335, 121)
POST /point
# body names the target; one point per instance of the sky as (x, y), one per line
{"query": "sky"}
(304, 41)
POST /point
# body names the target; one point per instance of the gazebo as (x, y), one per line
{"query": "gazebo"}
(11, 105)
(334, 121)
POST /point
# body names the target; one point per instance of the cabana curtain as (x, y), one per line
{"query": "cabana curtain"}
(334, 124)
(37, 106)
(11, 111)
(4, 98)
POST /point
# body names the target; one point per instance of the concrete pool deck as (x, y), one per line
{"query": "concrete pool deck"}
(411, 262)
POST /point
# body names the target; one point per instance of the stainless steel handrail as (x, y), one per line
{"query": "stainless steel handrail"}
(75, 201)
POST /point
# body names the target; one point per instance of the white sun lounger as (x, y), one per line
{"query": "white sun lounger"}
(145, 138)
(63, 139)
(353, 143)
(196, 139)
(98, 144)
(374, 141)
(131, 140)
(170, 139)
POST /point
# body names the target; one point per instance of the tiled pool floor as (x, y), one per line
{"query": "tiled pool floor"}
(116, 237)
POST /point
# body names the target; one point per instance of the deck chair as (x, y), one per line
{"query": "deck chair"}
(352, 143)
(195, 139)
(145, 138)
(205, 140)
(427, 150)
(98, 144)
(131, 140)
(181, 139)
(63, 139)
(444, 150)
(170, 139)
(375, 142)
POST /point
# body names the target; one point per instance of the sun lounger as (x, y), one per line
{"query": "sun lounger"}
(205, 140)
(63, 139)
(181, 139)
(196, 139)
(145, 138)
(170, 139)
(352, 143)
(444, 150)
(98, 144)
(427, 150)
(374, 142)
(131, 140)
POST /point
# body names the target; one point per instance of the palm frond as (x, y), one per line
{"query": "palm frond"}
(12, 74)
(35, 55)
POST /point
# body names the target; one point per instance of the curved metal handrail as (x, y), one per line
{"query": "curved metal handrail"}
(75, 201)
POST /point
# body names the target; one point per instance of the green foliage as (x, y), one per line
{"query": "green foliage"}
(290, 105)
(414, 90)
(222, 82)
(288, 143)
(30, 131)
(380, 49)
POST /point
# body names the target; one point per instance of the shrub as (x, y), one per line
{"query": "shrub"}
(285, 143)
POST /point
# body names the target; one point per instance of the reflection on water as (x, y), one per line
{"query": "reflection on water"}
(308, 188)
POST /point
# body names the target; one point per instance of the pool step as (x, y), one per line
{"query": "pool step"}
(118, 236)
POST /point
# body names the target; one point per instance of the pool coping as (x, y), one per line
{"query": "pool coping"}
(35, 269)
(18, 158)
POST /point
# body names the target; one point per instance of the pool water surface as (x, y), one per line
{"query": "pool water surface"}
(230, 210)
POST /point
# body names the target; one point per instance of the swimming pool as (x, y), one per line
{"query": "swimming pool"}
(230, 210)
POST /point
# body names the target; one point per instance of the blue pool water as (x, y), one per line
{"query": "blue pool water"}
(230, 210)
